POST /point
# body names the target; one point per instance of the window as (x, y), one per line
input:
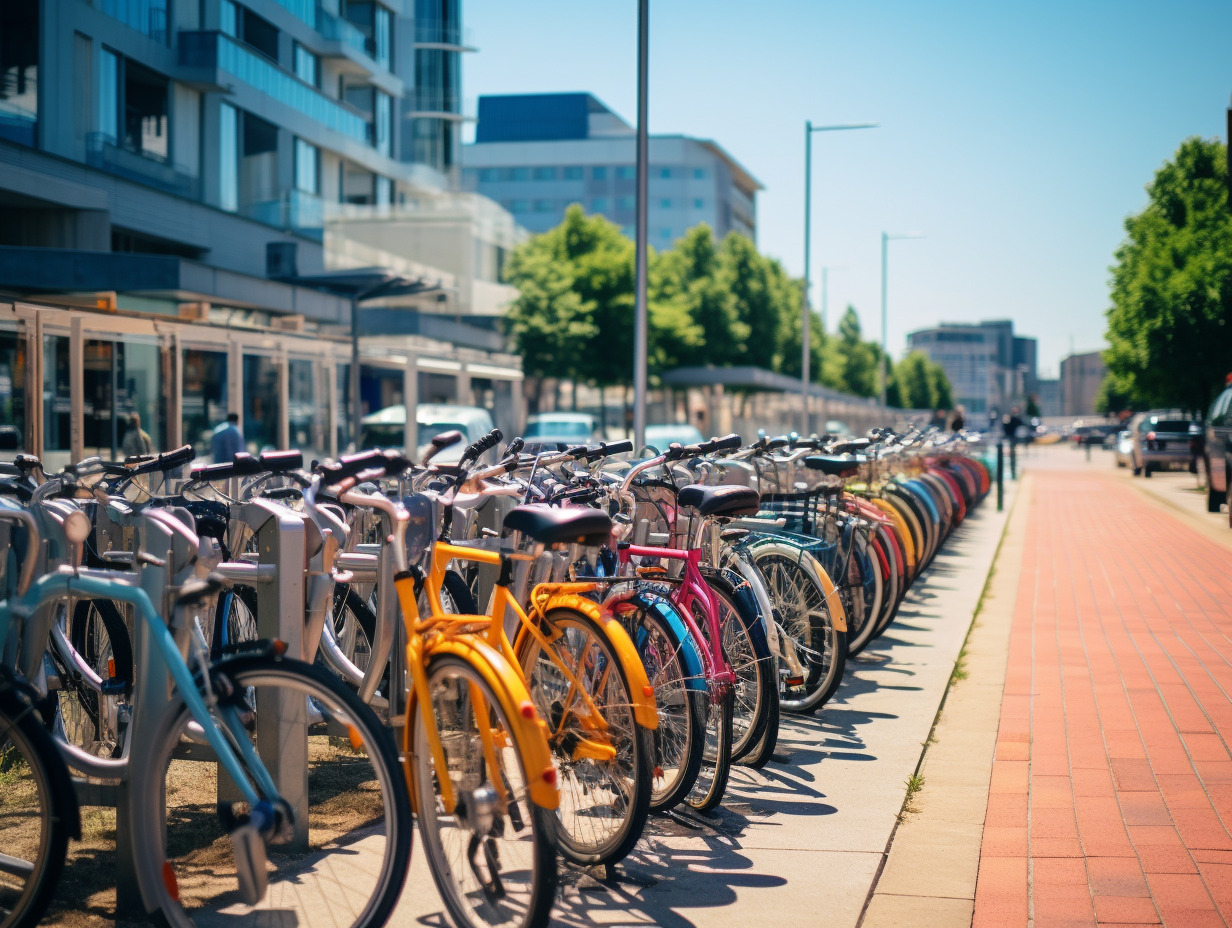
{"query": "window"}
(12, 390)
(519, 206)
(384, 123)
(699, 203)
(307, 167)
(228, 158)
(145, 111)
(19, 70)
(545, 174)
(520, 174)
(599, 173)
(108, 119)
(488, 175)
(574, 172)
(384, 191)
(626, 203)
(544, 206)
(600, 204)
(699, 173)
(203, 401)
(665, 173)
(307, 66)
(262, 422)
(228, 21)
(148, 16)
(381, 37)
(665, 234)
(665, 203)
(626, 172)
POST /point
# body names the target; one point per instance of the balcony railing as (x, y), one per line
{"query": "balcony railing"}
(17, 123)
(295, 209)
(437, 32)
(337, 29)
(437, 100)
(216, 50)
(147, 16)
(142, 167)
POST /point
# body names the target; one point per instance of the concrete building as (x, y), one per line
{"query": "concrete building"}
(1048, 395)
(1081, 375)
(538, 153)
(989, 367)
(166, 167)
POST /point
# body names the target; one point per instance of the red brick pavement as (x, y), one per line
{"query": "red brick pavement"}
(1111, 793)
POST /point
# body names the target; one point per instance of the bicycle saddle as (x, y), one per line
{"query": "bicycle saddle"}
(834, 465)
(720, 501)
(552, 525)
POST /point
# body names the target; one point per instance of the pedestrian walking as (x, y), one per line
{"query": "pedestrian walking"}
(959, 422)
(136, 439)
(227, 440)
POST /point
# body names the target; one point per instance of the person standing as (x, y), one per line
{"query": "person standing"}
(227, 440)
(959, 422)
(136, 440)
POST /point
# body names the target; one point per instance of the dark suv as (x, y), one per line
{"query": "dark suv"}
(1217, 452)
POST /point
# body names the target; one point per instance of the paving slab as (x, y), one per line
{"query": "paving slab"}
(821, 818)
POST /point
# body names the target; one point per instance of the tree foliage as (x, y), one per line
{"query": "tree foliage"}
(710, 303)
(1170, 323)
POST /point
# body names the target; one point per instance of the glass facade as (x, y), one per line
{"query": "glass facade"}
(228, 157)
(307, 66)
(107, 120)
(382, 31)
(12, 391)
(384, 123)
(262, 404)
(203, 397)
(147, 16)
(307, 167)
(19, 66)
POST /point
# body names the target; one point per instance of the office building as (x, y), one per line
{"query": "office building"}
(1048, 396)
(536, 154)
(990, 368)
(167, 170)
(1081, 376)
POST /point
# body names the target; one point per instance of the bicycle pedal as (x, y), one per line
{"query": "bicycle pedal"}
(249, 850)
(793, 681)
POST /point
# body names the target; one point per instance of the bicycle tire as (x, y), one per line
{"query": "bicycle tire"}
(98, 633)
(358, 830)
(865, 571)
(711, 784)
(678, 742)
(762, 752)
(583, 645)
(802, 602)
(535, 856)
(750, 662)
(38, 789)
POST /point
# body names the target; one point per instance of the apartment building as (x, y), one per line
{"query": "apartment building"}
(536, 154)
(989, 367)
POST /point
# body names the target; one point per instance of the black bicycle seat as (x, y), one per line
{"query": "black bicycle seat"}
(834, 465)
(551, 525)
(720, 501)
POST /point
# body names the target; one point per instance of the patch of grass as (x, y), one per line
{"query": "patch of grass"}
(960, 667)
(914, 784)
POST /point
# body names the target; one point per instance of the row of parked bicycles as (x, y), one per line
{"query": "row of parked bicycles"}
(272, 671)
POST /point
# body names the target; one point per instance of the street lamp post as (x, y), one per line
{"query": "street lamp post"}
(643, 173)
(809, 129)
(886, 238)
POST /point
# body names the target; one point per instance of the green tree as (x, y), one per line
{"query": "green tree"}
(1170, 322)
(693, 279)
(917, 385)
(859, 358)
(942, 391)
(758, 300)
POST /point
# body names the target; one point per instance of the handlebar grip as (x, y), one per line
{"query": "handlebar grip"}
(212, 472)
(176, 458)
(515, 447)
(728, 442)
(577, 451)
(478, 447)
(245, 465)
(606, 450)
(776, 443)
(350, 465)
(280, 461)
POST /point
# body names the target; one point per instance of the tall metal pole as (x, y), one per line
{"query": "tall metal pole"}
(825, 282)
(643, 172)
(885, 239)
(804, 308)
(356, 406)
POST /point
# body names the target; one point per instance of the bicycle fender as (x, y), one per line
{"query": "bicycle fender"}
(645, 711)
(695, 678)
(506, 682)
(902, 531)
(749, 612)
(835, 602)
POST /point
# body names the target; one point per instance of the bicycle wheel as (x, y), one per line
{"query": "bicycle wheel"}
(761, 753)
(679, 740)
(603, 803)
(235, 619)
(333, 761)
(751, 664)
(806, 627)
(37, 816)
(88, 718)
(354, 625)
(716, 757)
(493, 857)
(863, 592)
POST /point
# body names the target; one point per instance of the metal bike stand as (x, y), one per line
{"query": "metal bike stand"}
(278, 576)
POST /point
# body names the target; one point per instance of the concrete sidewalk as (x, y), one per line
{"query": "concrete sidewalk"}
(801, 842)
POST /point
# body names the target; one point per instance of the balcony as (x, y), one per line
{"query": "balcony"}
(440, 34)
(145, 168)
(294, 210)
(349, 36)
(214, 51)
(17, 123)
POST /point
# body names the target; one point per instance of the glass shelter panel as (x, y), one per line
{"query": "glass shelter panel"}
(262, 404)
(304, 413)
(203, 398)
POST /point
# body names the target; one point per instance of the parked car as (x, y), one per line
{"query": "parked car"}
(1124, 447)
(1163, 439)
(660, 436)
(569, 428)
(1092, 434)
(386, 428)
(1217, 450)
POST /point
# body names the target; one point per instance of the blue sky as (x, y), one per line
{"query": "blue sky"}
(1016, 136)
